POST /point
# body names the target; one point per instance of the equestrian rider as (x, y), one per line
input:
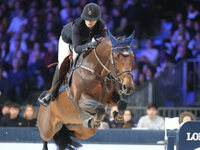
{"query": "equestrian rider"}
(78, 35)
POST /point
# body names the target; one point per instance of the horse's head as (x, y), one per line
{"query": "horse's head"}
(121, 62)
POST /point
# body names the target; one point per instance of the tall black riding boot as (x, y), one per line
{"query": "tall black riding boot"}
(53, 92)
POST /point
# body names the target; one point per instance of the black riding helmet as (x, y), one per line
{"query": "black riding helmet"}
(91, 12)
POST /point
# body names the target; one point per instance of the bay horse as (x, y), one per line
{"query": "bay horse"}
(99, 79)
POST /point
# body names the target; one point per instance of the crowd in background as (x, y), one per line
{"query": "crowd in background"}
(166, 32)
(178, 39)
(11, 115)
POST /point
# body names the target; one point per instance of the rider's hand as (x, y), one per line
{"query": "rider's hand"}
(92, 44)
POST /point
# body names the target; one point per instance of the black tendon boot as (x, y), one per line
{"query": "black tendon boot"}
(53, 92)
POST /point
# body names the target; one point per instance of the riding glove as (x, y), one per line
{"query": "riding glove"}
(92, 44)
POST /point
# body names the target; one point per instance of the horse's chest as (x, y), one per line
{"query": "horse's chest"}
(95, 89)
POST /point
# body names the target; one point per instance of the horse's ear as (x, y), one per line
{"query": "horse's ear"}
(112, 39)
(130, 38)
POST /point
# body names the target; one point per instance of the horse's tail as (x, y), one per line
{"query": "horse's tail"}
(63, 139)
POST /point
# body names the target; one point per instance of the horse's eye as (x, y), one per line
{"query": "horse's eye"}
(115, 58)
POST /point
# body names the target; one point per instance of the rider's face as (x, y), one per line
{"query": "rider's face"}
(89, 23)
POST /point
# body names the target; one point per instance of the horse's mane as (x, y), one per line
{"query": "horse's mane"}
(99, 41)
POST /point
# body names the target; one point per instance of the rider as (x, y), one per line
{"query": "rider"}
(79, 35)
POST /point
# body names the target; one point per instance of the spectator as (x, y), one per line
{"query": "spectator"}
(179, 34)
(134, 13)
(141, 79)
(50, 55)
(198, 54)
(150, 54)
(16, 5)
(177, 20)
(29, 116)
(186, 116)
(77, 12)
(197, 26)
(194, 44)
(13, 119)
(165, 26)
(3, 51)
(149, 74)
(119, 22)
(17, 78)
(66, 11)
(5, 110)
(128, 119)
(37, 48)
(181, 54)
(34, 68)
(12, 53)
(190, 27)
(4, 87)
(17, 22)
(32, 39)
(151, 120)
(192, 12)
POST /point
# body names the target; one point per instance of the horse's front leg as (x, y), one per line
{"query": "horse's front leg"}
(118, 116)
(95, 108)
(121, 105)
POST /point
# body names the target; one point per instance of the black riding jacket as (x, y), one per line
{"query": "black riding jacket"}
(78, 34)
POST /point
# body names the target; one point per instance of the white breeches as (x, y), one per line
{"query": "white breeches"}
(64, 50)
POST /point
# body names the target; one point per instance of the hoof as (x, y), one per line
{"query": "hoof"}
(118, 118)
(121, 104)
(90, 123)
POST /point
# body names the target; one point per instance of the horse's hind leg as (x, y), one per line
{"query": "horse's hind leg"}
(45, 145)
(80, 131)
(91, 105)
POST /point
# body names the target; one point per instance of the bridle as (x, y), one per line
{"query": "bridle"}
(125, 51)
(113, 73)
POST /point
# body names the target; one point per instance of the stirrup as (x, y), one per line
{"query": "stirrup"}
(42, 100)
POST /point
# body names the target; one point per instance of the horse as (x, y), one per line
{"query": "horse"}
(99, 79)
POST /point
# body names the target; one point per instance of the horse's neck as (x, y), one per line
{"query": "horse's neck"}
(103, 51)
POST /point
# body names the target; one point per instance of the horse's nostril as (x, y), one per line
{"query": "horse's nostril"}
(127, 89)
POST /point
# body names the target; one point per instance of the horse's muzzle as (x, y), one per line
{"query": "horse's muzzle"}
(127, 90)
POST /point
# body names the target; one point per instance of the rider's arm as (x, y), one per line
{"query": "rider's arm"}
(76, 40)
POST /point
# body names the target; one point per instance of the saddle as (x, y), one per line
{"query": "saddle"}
(65, 68)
